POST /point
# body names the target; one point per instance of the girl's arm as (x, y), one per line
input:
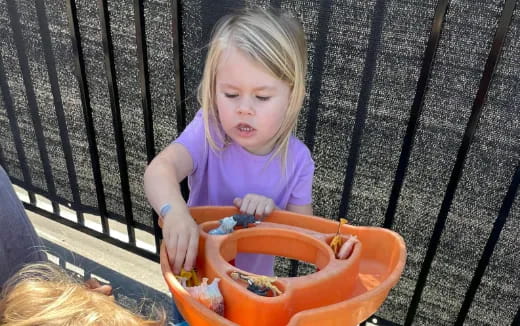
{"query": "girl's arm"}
(161, 186)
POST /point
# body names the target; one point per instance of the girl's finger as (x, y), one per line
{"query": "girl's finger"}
(237, 202)
(247, 206)
(182, 246)
(171, 241)
(104, 289)
(251, 208)
(191, 254)
(260, 210)
(269, 208)
(243, 204)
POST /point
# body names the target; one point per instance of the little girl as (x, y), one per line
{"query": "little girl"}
(239, 149)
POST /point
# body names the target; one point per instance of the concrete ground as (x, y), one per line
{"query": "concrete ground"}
(60, 238)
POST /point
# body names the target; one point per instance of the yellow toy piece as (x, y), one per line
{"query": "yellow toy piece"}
(191, 278)
(337, 241)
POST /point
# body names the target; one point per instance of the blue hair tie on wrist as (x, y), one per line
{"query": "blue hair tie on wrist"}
(165, 209)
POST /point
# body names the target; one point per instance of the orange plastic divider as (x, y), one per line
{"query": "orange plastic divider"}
(341, 292)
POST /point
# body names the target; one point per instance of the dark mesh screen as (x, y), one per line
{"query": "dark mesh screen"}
(365, 59)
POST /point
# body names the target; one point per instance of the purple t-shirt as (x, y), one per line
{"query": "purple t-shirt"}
(220, 176)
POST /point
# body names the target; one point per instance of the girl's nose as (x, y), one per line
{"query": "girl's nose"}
(245, 107)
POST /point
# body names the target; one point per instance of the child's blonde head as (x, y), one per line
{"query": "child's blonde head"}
(43, 294)
(273, 39)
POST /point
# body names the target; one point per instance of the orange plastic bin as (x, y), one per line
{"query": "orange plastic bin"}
(341, 292)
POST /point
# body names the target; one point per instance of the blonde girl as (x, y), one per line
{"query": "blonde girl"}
(44, 295)
(239, 149)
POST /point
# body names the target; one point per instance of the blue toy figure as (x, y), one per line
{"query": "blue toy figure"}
(227, 224)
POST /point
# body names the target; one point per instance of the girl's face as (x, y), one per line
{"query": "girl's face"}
(251, 102)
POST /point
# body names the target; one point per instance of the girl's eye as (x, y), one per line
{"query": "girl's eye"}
(230, 95)
(263, 98)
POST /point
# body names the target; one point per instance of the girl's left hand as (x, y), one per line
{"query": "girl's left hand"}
(254, 204)
(94, 285)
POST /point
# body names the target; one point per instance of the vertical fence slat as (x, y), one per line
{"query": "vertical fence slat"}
(315, 88)
(58, 104)
(415, 111)
(144, 79)
(367, 78)
(180, 94)
(3, 161)
(276, 3)
(516, 321)
(489, 247)
(113, 91)
(21, 50)
(467, 139)
(81, 77)
(146, 101)
(317, 73)
(15, 131)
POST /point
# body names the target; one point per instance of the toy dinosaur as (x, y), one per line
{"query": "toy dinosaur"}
(258, 284)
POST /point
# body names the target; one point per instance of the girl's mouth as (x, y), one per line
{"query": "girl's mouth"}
(245, 129)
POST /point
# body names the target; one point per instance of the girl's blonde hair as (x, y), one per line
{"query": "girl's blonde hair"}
(273, 39)
(43, 294)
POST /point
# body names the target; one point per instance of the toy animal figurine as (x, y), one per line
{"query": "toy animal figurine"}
(342, 249)
(336, 241)
(227, 224)
(258, 284)
(347, 247)
(188, 278)
(245, 219)
(209, 295)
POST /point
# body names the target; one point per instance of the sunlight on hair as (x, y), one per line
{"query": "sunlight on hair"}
(44, 294)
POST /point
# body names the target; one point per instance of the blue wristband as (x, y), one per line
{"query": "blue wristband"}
(165, 209)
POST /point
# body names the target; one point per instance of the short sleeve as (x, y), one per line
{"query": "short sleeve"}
(304, 173)
(194, 140)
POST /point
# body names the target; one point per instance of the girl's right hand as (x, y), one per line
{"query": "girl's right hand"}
(257, 205)
(181, 237)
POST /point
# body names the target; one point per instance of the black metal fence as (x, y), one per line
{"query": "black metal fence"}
(412, 115)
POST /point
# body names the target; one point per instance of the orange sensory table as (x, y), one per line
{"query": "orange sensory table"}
(341, 292)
